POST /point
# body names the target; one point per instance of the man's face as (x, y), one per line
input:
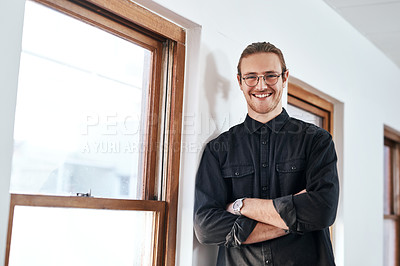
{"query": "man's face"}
(264, 102)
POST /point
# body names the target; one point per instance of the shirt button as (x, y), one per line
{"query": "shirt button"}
(236, 173)
(264, 188)
(264, 165)
(267, 261)
(263, 142)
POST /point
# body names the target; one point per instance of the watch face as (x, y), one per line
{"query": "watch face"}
(237, 205)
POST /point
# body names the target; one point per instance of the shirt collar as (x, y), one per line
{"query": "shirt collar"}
(275, 124)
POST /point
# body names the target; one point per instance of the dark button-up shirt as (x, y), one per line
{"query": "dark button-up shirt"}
(269, 161)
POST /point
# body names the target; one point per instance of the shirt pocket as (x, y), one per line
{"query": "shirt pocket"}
(240, 180)
(292, 177)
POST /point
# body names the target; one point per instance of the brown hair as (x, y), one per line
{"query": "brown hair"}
(261, 47)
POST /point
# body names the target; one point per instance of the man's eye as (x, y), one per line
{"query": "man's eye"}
(271, 76)
(251, 77)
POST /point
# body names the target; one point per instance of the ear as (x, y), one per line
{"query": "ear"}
(285, 78)
(239, 78)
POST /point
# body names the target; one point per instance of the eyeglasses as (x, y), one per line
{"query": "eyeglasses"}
(270, 79)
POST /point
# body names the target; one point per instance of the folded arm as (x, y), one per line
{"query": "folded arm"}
(304, 212)
(263, 232)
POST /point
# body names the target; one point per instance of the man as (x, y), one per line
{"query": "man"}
(267, 190)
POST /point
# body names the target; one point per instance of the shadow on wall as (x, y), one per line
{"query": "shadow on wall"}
(216, 87)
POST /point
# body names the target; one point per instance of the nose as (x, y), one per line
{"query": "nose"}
(261, 83)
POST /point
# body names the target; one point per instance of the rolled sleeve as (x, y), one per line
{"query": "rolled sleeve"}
(240, 231)
(285, 207)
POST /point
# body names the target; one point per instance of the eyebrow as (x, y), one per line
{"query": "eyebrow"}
(266, 72)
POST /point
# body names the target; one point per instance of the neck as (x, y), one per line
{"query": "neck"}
(264, 118)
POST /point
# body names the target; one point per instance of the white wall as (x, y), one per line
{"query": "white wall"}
(11, 20)
(321, 49)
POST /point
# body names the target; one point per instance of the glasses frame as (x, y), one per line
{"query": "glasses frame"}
(264, 78)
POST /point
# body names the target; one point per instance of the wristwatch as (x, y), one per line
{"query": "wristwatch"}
(237, 206)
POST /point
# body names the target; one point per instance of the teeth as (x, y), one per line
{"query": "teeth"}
(262, 95)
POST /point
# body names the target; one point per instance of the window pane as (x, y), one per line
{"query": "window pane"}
(304, 115)
(389, 245)
(79, 109)
(65, 236)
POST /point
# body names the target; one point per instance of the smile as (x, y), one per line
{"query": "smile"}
(264, 95)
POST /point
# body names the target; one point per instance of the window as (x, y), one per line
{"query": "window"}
(391, 201)
(309, 107)
(97, 135)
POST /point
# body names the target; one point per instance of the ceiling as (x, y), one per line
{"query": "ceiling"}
(378, 20)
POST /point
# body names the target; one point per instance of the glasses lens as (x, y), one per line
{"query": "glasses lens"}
(251, 80)
(271, 79)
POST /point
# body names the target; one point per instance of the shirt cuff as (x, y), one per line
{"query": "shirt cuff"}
(240, 231)
(285, 207)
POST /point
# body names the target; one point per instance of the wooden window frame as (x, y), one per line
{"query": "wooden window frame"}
(312, 103)
(392, 140)
(158, 207)
(167, 43)
(392, 145)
